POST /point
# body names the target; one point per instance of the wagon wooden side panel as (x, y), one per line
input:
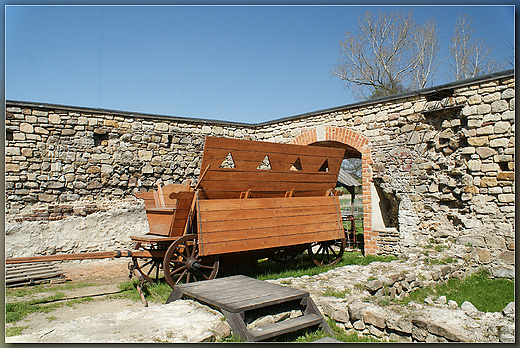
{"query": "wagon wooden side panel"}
(236, 225)
(266, 169)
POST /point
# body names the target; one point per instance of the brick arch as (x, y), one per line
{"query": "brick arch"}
(361, 144)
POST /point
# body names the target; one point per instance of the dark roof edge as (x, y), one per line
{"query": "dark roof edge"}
(421, 92)
(124, 113)
(425, 91)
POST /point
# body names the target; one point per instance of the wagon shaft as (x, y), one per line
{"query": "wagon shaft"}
(85, 256)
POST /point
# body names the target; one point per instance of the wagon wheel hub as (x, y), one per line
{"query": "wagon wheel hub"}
(193, 264)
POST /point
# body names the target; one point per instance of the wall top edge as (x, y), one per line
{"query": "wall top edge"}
(406, 95)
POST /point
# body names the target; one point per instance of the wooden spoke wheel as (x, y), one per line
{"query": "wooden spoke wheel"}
(326, 253)
(151, 269)
(284, 255)
(184, 264)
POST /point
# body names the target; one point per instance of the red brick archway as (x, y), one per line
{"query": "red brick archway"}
(360, 143)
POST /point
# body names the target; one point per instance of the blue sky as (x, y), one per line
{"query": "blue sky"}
(235, 63)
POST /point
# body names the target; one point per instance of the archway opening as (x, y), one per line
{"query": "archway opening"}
(349, 184)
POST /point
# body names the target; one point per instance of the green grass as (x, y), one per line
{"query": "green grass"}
(157, 293)
(14, 331)
(444, 261)
(39, 288)
(302, 265)
(335, 293)
(485, 293)
(16, 311)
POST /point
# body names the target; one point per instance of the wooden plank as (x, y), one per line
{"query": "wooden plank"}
(251, 226)
(262, 203)
(252, 293)
(203, 194)
(209, 247)
(33, 275)
(235, 187)
(184, 202)
(231, 144)
(286, 326)
(237, 215)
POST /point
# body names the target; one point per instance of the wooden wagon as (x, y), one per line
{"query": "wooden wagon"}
(252, 200)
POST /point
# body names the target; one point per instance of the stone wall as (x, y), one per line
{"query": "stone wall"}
(438, 164)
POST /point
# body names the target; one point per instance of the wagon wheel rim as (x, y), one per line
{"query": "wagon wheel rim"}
(149, 268)
(183, 262)
(327, 253)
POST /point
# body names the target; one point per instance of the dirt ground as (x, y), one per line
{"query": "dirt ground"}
(112, 320)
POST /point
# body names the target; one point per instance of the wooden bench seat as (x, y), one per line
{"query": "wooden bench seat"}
(152, 238)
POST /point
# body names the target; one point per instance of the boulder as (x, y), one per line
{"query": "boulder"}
(336, 311)
(509, 310)
(447, 331)
(375, 318)
(469, 308)
(373, 285)
(356, 310)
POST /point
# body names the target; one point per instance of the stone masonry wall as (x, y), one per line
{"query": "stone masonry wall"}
(440, 161)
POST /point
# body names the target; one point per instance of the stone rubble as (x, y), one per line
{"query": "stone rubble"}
(366, 311)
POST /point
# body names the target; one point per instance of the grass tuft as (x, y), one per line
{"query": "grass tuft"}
(485, 293)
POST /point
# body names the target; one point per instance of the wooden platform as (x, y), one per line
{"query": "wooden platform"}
(236, 295)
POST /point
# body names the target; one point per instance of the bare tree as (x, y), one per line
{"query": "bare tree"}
(353, 167)
(511, 56)
(389, 55)
(469, 56)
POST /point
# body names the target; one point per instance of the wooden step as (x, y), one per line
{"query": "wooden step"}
(236, 295)
(286, 326)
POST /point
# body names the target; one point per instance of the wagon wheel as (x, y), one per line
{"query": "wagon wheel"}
(284, 256)
(149, 268)
(326, 253)
(184, 264)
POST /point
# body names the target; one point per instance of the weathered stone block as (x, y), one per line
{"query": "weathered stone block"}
(12, 167)
(483, 109)
(488, 181)
(474, 165)
(474, 99)
(336, 311)
(499, 142)
(44, 197)
(483, 255)
(145, 155)
(499, 106)
(506, 176)
(54, 119)
(374, 318)
(490, 167)
(474, 123)
(26, 128)
(419, 334)
(503, 158)
(478, 141)
(356, 310)
(501, 127)
(506, 198)
(373, 285)
(111, 123)
(161, 127)
(447, 331)
(487, 130)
